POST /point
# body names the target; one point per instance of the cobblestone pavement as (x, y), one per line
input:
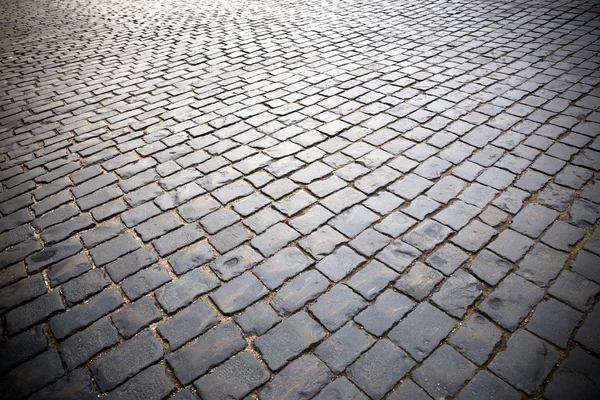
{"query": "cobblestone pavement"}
(286, 199)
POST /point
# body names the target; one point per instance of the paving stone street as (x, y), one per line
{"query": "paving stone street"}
(292, 199)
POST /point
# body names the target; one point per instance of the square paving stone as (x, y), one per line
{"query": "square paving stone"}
(556, 197)
(206, 351)
(384, 312)
(444, 372)
(588, 265)
(487, 386)
(457, 215)
(562, 236)
(126, 360)
(322, 242)
(490, 268)
(458, 293)
(422, 330)
(345, 198)
(419, 281)
(136, 316)
(369, 242)
(511, 200)
(294, 203)
(288, 339)
(281, 266)
(218, 220)
(263, 219)
(447, 259)
(353, 221)
(409, 390)
(340, 263)
(191, 257)
(575, 290)
(274, 238)
(427, 235)
(383, 202)
(302, 379)
(496, 178)
(533, 220)
(577, 377)
(493, 216)
(478, 195)
(511, 301)
(311, 219)
(257, 319)
(474, 236)
(301, 290)
(395, 224)
(343, 347)
(238, 293)
(542, 264)
(525, 362)
(235, 262)
(420, 207)
(340, 389)
(398, 255)
(380, 368)
(511, 244)
(234, 379)
(372, 279)
(229, 238)
(446, 189)
(334, 308)
(554, 321)
(187, 324)
(183, 291)
(476, 339)
(410, 186)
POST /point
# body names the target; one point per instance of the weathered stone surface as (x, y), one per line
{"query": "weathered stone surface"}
(299, 291)
(488, 386)
(126, 360)
(191, 257)
(206, 351)
(476, 339)
(183, 291)
(458, 293)
(257, 319)
(238, 293)
(234, 379)
(577, 375)
(444, 372)
(82, 346)
(32, 375)
(187, 324)
(288, 339)
(77, 385)
(136, 316)
(337, 306)
(281, 266)
(343, 347)
(152, 383)
(22, 347)
(384, 312)
(300, 380)
(235, 262)
(526, 361)
(379, 369)
(422, 330)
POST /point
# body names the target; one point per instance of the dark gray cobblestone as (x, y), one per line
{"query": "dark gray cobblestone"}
(292, 200)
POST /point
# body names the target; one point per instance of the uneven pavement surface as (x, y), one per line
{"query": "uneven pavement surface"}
(286, 199)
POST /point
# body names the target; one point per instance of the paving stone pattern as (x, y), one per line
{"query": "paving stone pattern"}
(285, 199)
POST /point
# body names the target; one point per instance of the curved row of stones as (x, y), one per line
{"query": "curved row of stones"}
(283, 200)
